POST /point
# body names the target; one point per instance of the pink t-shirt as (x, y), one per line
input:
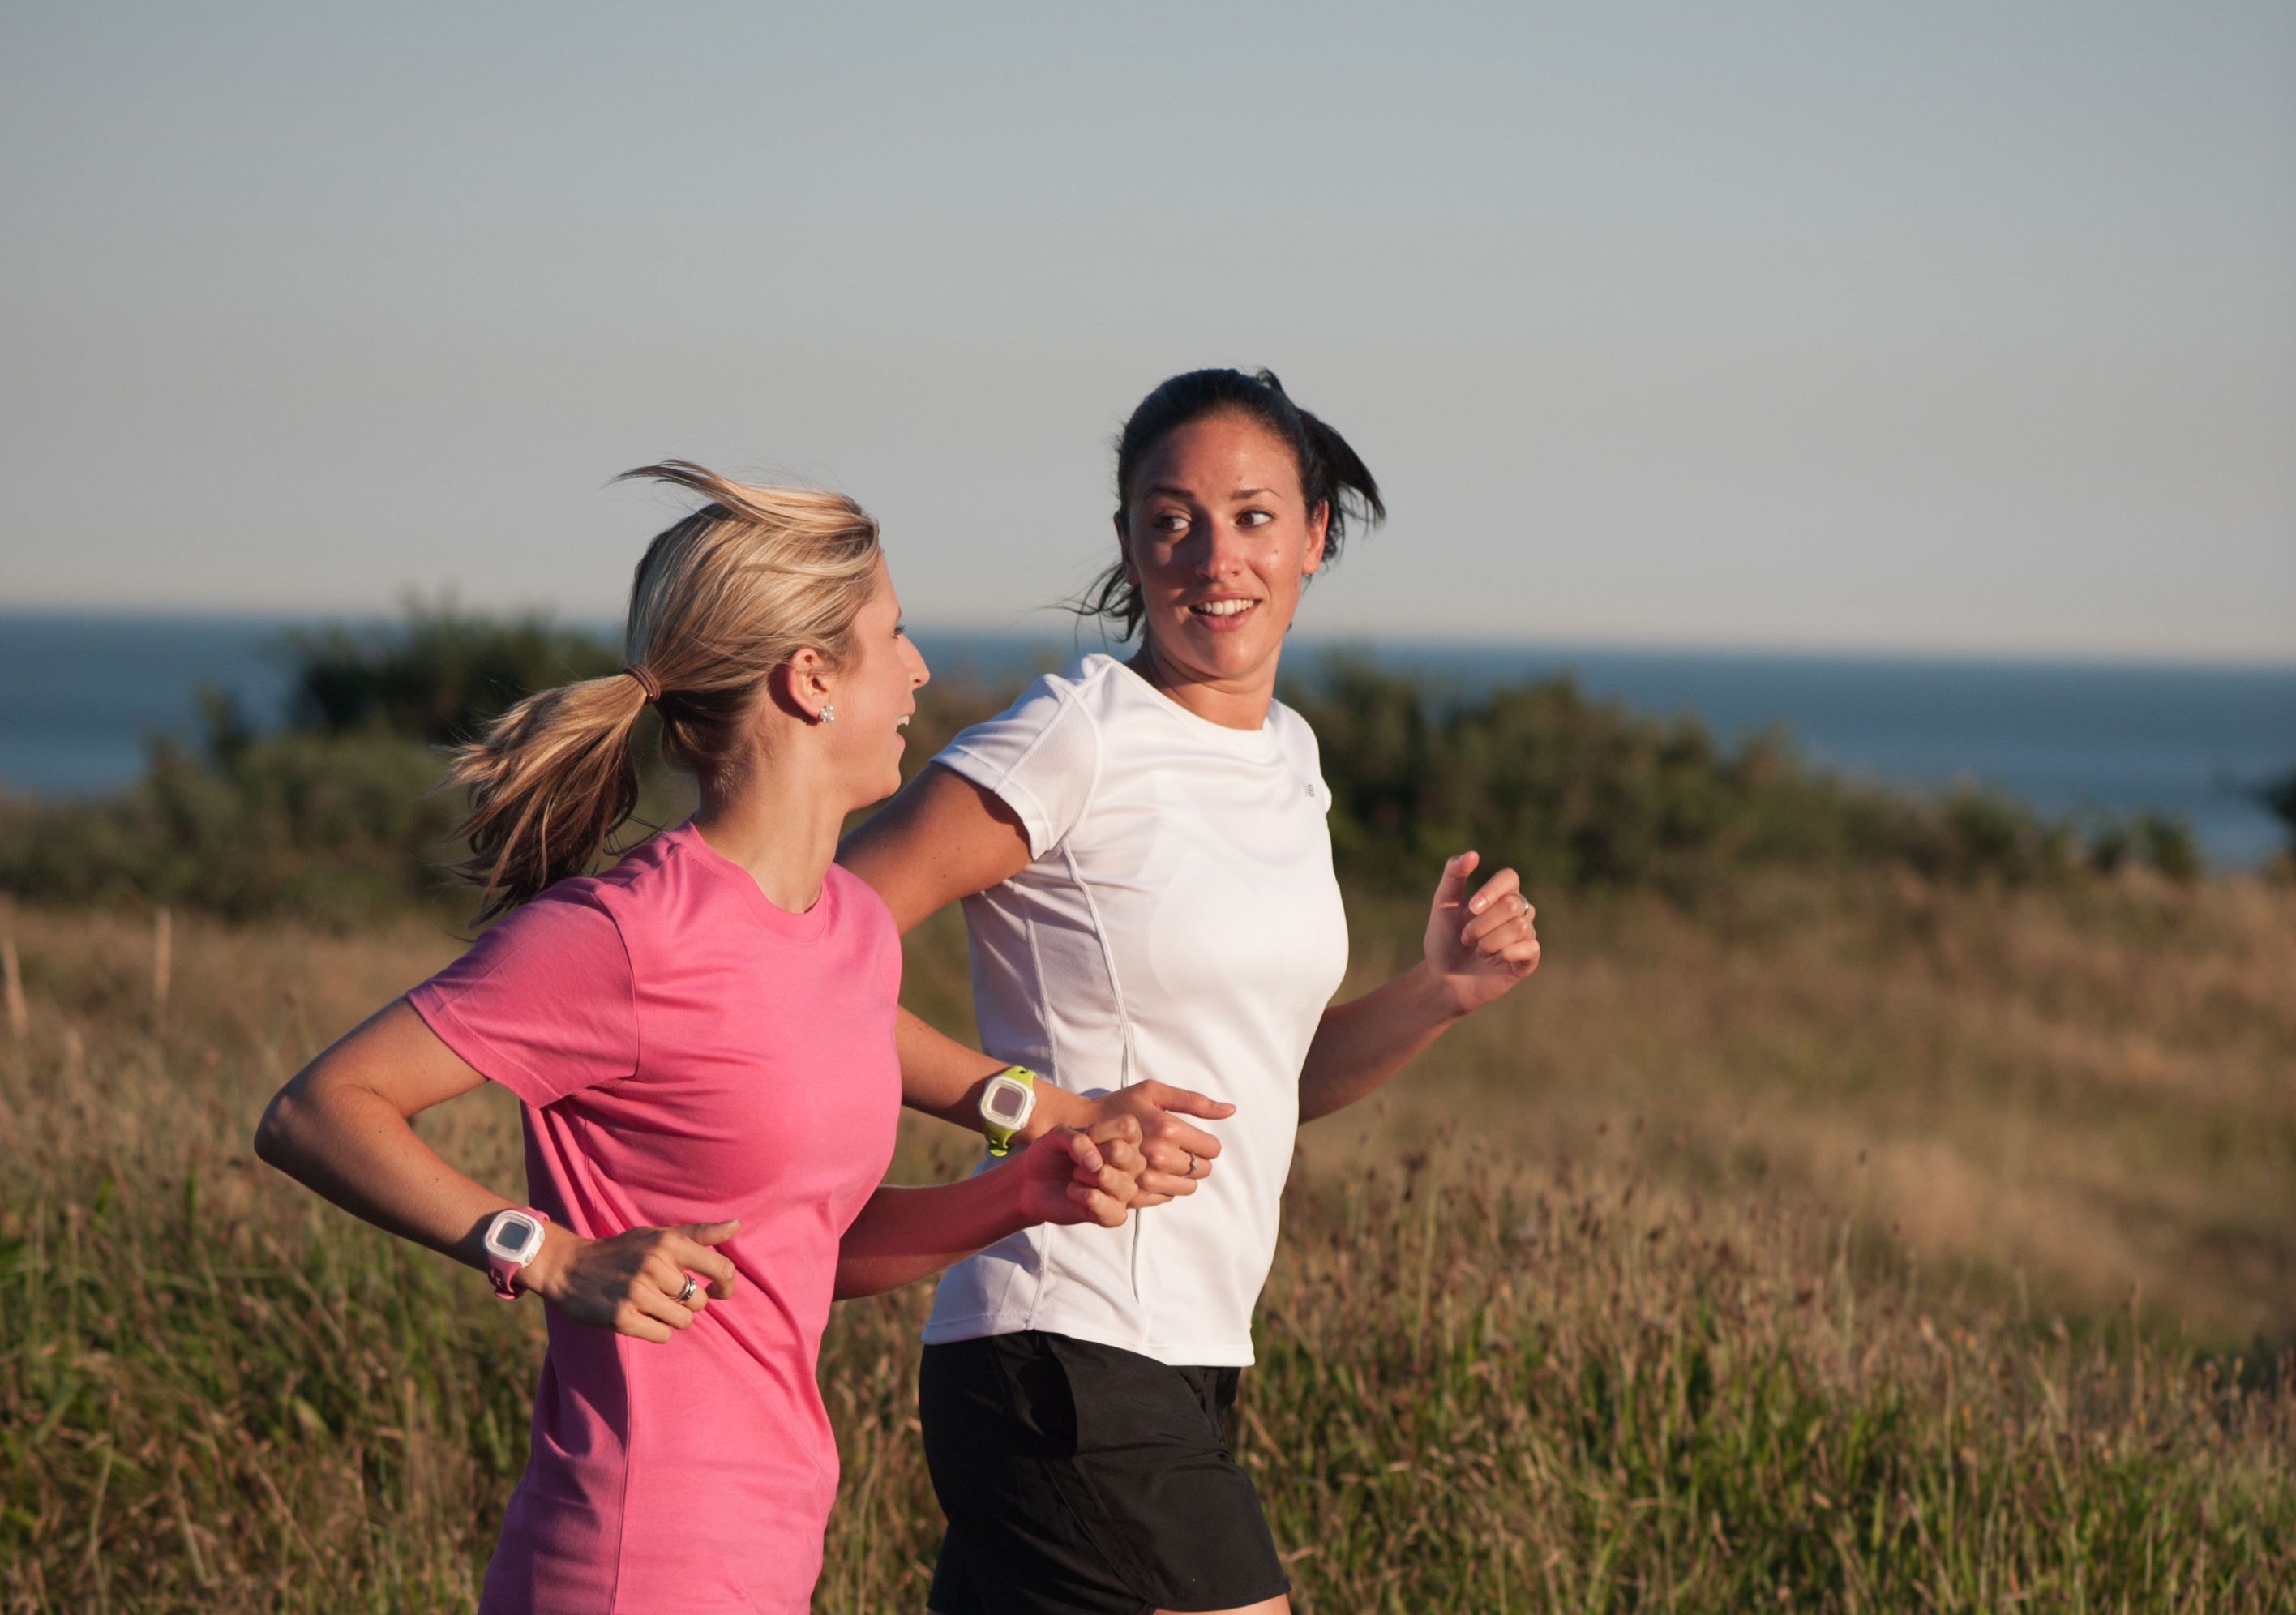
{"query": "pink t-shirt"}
(686, 1053)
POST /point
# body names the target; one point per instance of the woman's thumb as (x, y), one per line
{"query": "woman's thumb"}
(1455, 871)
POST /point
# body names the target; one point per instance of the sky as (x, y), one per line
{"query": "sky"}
(1959, 328)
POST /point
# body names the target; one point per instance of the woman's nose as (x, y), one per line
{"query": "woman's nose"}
(1220, 550)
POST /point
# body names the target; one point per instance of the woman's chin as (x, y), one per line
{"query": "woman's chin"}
(869, 792)
(1212, 646)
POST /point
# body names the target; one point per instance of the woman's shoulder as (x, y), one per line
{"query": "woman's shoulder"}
(1042, 755)
(666, 885)
(1058, 716)
(638, 873)
(855, 903)
(562, 933)
(1293, 733)
(1089, 682)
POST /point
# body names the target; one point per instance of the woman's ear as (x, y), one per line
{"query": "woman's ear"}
(801, 684)
(1319, 522)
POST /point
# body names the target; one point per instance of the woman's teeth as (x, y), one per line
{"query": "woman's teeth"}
(1222, 608)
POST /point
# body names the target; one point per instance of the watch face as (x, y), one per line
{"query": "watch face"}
(514, 1236)
(1007, 1101)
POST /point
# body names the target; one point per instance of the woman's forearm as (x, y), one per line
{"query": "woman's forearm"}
(1359, 1044)
(943, 1077)
(904, 1234)
(340, 1128)
(939, 1076)
(351, 1146)
(1068, 1177)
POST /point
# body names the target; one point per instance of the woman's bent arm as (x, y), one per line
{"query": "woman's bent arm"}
(341, 1127)
(1066, 1176)
(1477, 948)
(943, 838)
(940, 838)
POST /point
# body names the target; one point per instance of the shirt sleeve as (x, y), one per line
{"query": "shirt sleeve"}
(543, 1003)
(1040, 757)
(1300, 739)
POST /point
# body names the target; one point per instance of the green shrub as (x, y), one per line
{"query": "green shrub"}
(334, 829)
(436, 675)
(330, 819)
(2280, 797)
(1586, 793)
(2168, 845)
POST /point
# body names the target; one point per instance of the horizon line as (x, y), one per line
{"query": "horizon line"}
(1022, 630)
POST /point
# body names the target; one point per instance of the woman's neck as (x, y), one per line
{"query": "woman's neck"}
(780, 825)
(1236, 702)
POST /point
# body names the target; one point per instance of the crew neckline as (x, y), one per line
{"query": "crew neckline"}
(1262, 741)
(797, 927)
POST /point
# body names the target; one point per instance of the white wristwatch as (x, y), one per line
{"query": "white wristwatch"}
(511, 1240)
(1006, 1103)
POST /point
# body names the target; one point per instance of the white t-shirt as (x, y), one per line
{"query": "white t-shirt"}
(1180, 923)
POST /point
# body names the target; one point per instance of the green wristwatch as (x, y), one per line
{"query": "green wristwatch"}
(1006, 1106)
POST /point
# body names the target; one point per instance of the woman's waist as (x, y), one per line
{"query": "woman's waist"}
(1192, 1269)
(757, 1349)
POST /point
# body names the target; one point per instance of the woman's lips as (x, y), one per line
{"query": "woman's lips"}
(1221, 615)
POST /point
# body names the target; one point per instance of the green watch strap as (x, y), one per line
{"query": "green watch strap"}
(1000, 1138)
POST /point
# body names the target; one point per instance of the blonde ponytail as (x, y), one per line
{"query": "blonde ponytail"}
(719, 601)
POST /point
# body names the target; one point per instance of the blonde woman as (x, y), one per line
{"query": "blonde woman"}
(703, 1041)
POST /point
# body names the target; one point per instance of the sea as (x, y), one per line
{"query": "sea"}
(82, 696)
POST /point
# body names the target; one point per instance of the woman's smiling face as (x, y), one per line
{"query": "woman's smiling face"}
(875, 695)
(1218, 538)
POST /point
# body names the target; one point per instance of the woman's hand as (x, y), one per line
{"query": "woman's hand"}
(1063, 1177)
(1092, 1174)
(630, 1283)
(1177, 1155)
(1479, 948)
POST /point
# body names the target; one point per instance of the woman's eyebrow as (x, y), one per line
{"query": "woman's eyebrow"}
(1177, 492)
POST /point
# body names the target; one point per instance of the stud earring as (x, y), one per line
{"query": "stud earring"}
(829, 715)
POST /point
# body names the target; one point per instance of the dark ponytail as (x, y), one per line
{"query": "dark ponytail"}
(1331, 473)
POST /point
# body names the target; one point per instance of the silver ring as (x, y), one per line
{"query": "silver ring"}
(1191, 1172)
(687, 1294)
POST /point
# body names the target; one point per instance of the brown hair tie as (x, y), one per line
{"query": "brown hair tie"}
(646, 681)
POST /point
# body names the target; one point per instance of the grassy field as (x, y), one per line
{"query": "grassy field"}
(1832, 1242)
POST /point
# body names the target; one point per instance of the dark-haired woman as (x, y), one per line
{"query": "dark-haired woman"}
(703, 1041)
(1141, 849)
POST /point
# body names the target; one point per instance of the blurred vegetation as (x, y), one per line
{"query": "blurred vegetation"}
(2280, 797)
(1581, 793)
(329, 819)
(1489, 1377)
(1884, 1309)
(336, 830)
(437, 675)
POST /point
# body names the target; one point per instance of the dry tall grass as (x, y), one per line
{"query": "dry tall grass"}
(1579, 1363)
(2055, 1098)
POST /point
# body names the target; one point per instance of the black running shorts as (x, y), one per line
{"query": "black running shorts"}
(1083, 1480)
